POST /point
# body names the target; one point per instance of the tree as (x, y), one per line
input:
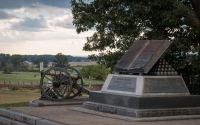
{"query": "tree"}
(16, 60)
(4, 60)
(39, 59)
(60, 60)
(98, 72)
(8, 69)
(119, 23)
(86, 71)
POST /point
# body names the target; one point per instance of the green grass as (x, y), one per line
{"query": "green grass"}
(17, 96)
(18, 104)
(20, 77)
(20, 97)
(33, 77)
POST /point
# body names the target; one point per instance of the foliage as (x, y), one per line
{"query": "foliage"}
(8, 69)
(60, 60)
(98, 72)
(39, 59)
(119, 23)
(4, 59)
(16, 60)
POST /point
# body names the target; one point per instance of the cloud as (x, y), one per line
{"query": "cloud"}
(46, 10)
(6, 15)
(30, 24)
(56, 3)
(14, 4)
(64, 22)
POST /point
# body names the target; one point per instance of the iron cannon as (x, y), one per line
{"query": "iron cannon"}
(59, 83)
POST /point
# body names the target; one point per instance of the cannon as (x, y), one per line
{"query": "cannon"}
(58, 83)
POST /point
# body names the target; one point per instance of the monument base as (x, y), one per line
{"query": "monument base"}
(135, 106)
(144, 96)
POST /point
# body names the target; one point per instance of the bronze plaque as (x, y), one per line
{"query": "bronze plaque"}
(164, 85)
(125, 84)
(141, 56)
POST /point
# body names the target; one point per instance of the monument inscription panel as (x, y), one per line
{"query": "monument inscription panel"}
(164, 85)
(125, 84)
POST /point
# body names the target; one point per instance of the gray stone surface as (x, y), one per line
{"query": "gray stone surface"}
(135, 85)
(47, 122)
(15, 118)
(43, 102)
(139, 113)
(126, 84)
(19, 116)
(150, 120)
(79, 115)
(7, 121)
(164, 85)
(145, 102)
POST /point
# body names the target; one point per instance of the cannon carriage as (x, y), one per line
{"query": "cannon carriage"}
(58, 83)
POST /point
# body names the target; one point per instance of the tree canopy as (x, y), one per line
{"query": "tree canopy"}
(60, 60)
(118, 23)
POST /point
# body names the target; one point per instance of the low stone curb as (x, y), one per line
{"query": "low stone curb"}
(32, 103)
(11, 117)
(132, 119)
(8, 121)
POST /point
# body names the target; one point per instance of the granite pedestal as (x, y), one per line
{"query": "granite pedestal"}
(144, 96)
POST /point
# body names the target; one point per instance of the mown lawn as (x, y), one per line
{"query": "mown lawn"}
(20, 97)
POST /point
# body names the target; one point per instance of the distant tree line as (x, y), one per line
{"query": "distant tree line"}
(16, 62)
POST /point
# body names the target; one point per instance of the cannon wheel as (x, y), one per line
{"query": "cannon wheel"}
(56, 84)
(79, 81)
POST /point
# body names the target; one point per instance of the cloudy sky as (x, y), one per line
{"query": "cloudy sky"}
(39, 27)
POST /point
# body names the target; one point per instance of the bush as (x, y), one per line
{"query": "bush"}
(98, 72)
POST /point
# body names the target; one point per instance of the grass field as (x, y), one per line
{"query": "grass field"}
(21, 97)
(20, 77)
(82, 63)
(28, 77)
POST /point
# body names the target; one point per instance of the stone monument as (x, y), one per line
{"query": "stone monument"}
(145, 86)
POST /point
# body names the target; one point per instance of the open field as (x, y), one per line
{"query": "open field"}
(82, 63)
(20, 97)
(20, 77)
(18, 88)
(32, 77)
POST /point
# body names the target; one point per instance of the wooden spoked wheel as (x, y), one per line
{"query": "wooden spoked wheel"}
(56, 84)
(77, 81)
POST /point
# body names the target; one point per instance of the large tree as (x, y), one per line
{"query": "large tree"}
(16, 60)
(118, 23)
(60, 60)
(40, 58)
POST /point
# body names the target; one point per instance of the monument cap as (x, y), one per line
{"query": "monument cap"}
(142, 56)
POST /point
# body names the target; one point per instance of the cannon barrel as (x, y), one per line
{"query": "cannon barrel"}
(73, 76)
